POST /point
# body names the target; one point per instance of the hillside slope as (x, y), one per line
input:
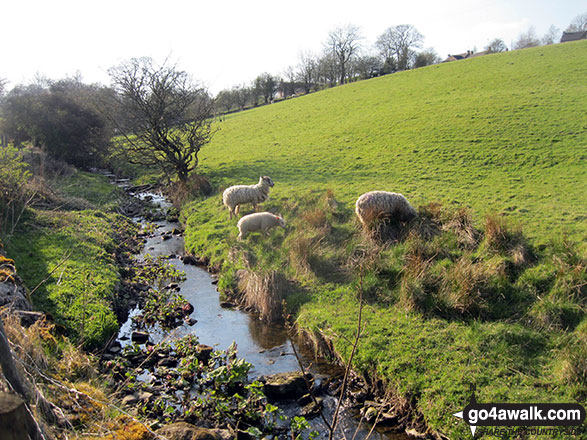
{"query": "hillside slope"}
(504, 132)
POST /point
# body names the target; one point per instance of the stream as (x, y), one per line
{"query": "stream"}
(266, 346)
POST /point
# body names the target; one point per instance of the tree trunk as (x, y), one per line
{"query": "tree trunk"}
(16, 422)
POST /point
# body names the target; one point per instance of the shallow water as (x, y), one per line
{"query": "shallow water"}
(266, 346)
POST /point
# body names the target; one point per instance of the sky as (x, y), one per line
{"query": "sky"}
(228, 43)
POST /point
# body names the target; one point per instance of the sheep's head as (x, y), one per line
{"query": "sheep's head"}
(266, 180)
(409, 214)
(280, 220)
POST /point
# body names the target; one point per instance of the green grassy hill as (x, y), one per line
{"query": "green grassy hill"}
(465, 298)
(504, 132)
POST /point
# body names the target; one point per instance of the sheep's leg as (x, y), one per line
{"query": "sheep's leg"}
(236, 209)
(254, 207)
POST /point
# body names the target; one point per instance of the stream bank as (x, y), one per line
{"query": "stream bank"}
(213, 327)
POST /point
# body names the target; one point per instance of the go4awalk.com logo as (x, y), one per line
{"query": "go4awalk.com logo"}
(565, 415)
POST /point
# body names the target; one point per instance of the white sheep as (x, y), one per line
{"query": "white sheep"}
(379, 204)
(237, 195)
(258, 221)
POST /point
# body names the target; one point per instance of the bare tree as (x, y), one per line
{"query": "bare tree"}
(328, 71)
(367, 66)
(163, 118)
(242, 96)
(344, 43)
(398, 43)
(578, 24)
(527, 39)
(496, 45)
(307, 73)
(552, 35)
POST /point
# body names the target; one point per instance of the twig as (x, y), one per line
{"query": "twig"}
(349, 363)
(65, 257)
(301, 365)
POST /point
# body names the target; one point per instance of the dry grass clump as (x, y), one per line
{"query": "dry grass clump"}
(563, 305)
(505, 238)
(466, 287)
(317, 218)
(573, 368)
(180, 192)
(27, 343)
(301, 250)
(461, 223)
(264, 292)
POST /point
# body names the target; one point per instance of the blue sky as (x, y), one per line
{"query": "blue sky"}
(230, 42)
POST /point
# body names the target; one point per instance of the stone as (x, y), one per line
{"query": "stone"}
(190, 321)
(190, 259)
(145, 396)
(187, 309)
(187, 431)
(286, 385)
(312, 409)
(227, 305)
(167, 362)
(139, 337)
(13, 296)
(130, 400)
(203, 352)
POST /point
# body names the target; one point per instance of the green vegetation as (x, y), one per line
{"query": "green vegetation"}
(70, 256)
(504, 132)
(465, 296)
(92, 188)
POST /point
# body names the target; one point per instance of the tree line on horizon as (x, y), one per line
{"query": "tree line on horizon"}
(345, 58)
(157, 116)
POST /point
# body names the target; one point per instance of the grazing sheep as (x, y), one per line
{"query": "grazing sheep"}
(259, 221)
(379, 204)
(237, 195)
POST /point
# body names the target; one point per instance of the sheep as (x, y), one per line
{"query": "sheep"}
(258, 221)
(377, 204)
(237, 195)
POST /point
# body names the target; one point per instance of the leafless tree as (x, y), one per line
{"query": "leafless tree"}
(344, 43)
(578, 24)
(242, 96)
(496, 45)
(527, 39)
(164, 119)
(552, 36)
(307, 72)
(398, 43)
(328, 71)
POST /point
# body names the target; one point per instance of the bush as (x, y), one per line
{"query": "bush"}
(14, 194)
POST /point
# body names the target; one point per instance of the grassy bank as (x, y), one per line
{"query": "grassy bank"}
(67, 258)
(467, 295)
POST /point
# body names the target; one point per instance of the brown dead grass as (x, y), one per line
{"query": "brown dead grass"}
(265, 292)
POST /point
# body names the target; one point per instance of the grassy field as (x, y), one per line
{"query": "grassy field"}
(467, 296)
(505, 132)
